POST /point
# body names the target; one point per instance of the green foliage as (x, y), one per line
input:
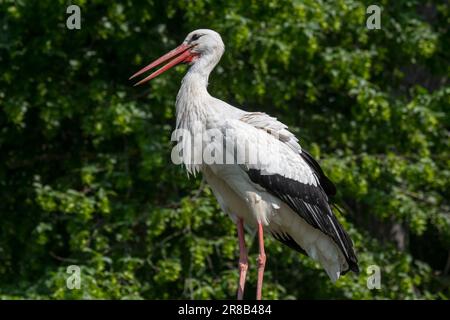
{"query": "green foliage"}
(85, 170)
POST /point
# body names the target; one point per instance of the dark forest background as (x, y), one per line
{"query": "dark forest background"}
(85, 171)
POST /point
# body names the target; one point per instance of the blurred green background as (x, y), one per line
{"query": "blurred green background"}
(85, 170)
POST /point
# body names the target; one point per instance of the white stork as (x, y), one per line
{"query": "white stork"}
(288, 196)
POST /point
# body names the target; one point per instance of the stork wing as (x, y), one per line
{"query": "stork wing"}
(278, 129)
(272, 126)
(285, 173)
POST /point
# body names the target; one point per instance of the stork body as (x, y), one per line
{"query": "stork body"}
(286, 195)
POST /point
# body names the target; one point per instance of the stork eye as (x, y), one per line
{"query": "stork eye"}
(195, 37)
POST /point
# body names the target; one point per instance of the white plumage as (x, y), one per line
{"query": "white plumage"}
(271, 184)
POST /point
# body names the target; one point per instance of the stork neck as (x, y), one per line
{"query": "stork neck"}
(198, 74)
(195, 83)
(192, 100)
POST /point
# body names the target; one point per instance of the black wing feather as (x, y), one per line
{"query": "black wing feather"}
(287, 240)
(311, 203)
(327, 185)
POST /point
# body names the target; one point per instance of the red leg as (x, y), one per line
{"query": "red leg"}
(243, 259)
(261, 262)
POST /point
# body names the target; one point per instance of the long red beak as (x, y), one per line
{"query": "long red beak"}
(181, 54)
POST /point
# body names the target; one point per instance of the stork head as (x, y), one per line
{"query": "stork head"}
(202, 49)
